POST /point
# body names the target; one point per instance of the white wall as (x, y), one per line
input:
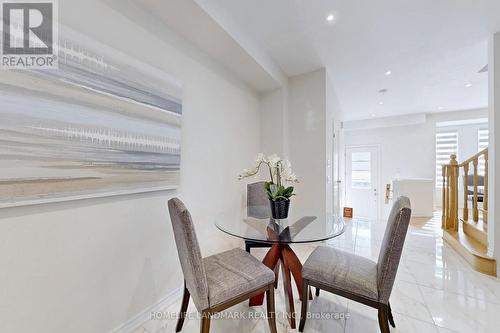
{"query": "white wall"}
(494, 149)
(89, 266)
(307, 128)
(297, 122)
(406, 151)
(272, 122)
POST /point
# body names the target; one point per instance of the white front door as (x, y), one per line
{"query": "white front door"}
(362, 181)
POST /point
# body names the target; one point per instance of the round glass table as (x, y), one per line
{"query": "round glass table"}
(254, 224)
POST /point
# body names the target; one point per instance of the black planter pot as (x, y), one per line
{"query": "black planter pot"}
(279, 208)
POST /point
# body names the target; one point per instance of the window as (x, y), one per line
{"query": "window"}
(482, 139)
(446, 145)
(482, 143)
(361, 170)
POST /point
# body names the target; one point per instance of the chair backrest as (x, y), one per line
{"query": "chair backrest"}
(257, 201)
(392, 247)
(470, 180)
(189, 253)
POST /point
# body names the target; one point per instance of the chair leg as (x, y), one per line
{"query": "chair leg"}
(382, 318)
(184, 306)
(247, 247)
(271, 312)
(205, 322)
(305, 301)
(317, 292)
(391, 318)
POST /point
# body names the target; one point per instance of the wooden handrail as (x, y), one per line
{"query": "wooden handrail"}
(475, 157)
(451, 173)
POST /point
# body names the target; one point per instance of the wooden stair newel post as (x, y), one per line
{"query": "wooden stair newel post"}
(453, 184)
(466, 193)
(449, 222)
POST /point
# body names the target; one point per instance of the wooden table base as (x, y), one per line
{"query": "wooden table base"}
(291, 266)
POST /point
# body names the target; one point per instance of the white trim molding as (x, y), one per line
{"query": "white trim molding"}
(139, 319)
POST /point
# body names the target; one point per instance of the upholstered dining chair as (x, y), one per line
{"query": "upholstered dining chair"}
(258, 207)
(220, 281)
(358, 278)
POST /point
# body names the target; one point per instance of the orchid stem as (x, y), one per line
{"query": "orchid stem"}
(278, 176)
(270, 172)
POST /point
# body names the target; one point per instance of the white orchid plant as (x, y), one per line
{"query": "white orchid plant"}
(280, 173)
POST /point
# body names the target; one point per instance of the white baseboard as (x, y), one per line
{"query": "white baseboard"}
(135, 322)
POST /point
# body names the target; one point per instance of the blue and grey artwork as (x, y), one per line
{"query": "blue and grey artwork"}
(84, 130)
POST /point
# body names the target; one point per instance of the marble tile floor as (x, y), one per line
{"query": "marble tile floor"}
(435, 291)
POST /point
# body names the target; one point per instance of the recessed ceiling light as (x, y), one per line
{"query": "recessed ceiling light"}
(468, 85)
(330, 17)
(388, 73)
(440, 108)
(372, 115)
(380, 103)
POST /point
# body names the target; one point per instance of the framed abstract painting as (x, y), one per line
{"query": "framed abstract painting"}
(101, 124)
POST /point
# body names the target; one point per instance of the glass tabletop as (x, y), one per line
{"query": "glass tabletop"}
(254, 224)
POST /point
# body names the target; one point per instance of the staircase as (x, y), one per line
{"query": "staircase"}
(464, 229)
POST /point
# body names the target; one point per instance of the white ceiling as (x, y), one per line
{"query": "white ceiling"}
(432, 47)
(190, 22)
